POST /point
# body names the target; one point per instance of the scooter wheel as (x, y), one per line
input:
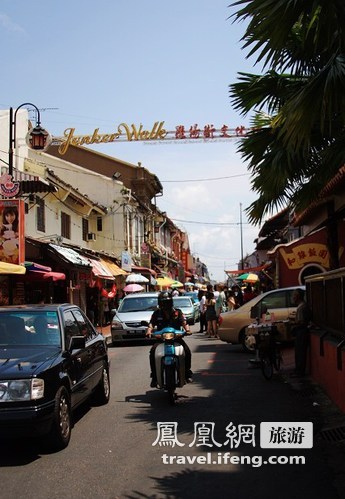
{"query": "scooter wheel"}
(170, 383)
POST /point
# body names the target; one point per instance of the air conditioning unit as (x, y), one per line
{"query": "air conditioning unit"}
(91, 236)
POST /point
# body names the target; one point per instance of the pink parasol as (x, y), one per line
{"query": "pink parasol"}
(133, 288)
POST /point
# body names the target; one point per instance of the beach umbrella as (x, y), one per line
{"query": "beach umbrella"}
(136, 279)
(248, 277)
(177, 284)
(165, 282)
(133, 288)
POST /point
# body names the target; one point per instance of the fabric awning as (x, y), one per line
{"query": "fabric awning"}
(144, 269)
(36, 266)
(11, 268)
(41, 275)
(115, 269)
(101, 270)
(251, 269)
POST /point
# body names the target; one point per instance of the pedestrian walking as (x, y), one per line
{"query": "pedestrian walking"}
(301, 332)
(202, 309)
(211, 316)
(220, 301)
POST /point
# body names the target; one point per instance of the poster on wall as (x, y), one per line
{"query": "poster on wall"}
(126, 261)
(12, 237)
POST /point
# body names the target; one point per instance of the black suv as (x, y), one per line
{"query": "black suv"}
(51, 360)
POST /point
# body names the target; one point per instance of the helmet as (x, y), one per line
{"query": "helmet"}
(165, 300)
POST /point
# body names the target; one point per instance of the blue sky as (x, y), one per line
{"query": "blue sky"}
(97, 64)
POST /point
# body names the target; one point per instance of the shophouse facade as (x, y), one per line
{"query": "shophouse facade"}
(308, 248)
(160, 242)
(85, 215)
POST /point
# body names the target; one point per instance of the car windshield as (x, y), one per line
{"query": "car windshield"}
(192, 295)
(138, 304)
(182, 302)
(27, 328)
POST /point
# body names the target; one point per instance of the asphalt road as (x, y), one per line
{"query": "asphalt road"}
(112, 452)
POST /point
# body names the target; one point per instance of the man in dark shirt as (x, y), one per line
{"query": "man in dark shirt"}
(301, 332)
(168, 316)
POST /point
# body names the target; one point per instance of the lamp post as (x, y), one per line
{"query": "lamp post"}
(37, 138)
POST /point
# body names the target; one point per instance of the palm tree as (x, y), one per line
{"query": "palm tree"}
(297, 139)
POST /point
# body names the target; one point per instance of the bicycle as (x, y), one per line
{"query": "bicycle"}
(269, 352)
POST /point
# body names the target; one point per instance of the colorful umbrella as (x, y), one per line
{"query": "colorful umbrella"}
(177, 284)
(133, 288)
(165, 282)
(248, 277)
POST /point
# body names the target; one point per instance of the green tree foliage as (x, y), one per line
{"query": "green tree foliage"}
(297, 105)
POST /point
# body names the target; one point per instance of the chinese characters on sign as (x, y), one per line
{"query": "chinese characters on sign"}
(285, 435)
(131, 133)
(302, 254)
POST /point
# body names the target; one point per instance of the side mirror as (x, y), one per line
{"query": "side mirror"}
(76, 343)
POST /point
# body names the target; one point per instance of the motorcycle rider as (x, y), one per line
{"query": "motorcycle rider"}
(168, 316)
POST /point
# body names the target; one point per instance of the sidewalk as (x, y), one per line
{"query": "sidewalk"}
(306, 387)
(329, 422)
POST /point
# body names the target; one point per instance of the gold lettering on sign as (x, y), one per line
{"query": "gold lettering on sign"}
(134, 133)
(79, 140)
(131, 132)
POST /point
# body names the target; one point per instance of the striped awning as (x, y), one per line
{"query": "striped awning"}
(29, 184)
(115, 269)
(101, 269)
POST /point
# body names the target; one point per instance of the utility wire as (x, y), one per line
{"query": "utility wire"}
(205, 179)
(206, 223)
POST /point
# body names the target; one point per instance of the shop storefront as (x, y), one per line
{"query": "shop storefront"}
(293, 262)
(77, 269)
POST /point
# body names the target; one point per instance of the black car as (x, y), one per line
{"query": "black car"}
(51, 360)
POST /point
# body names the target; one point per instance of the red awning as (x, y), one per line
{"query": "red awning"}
(144, 269)
(40, 275)
(247, 270)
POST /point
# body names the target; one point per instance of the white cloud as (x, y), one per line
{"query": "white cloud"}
(9, 25)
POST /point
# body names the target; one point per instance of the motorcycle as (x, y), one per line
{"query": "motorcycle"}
(170, 361)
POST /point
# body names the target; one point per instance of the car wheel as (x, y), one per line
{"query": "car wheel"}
(246, 343)
(60, 433)
(102, 392)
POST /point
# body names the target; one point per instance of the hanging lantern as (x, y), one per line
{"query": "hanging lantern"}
(38, 138)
